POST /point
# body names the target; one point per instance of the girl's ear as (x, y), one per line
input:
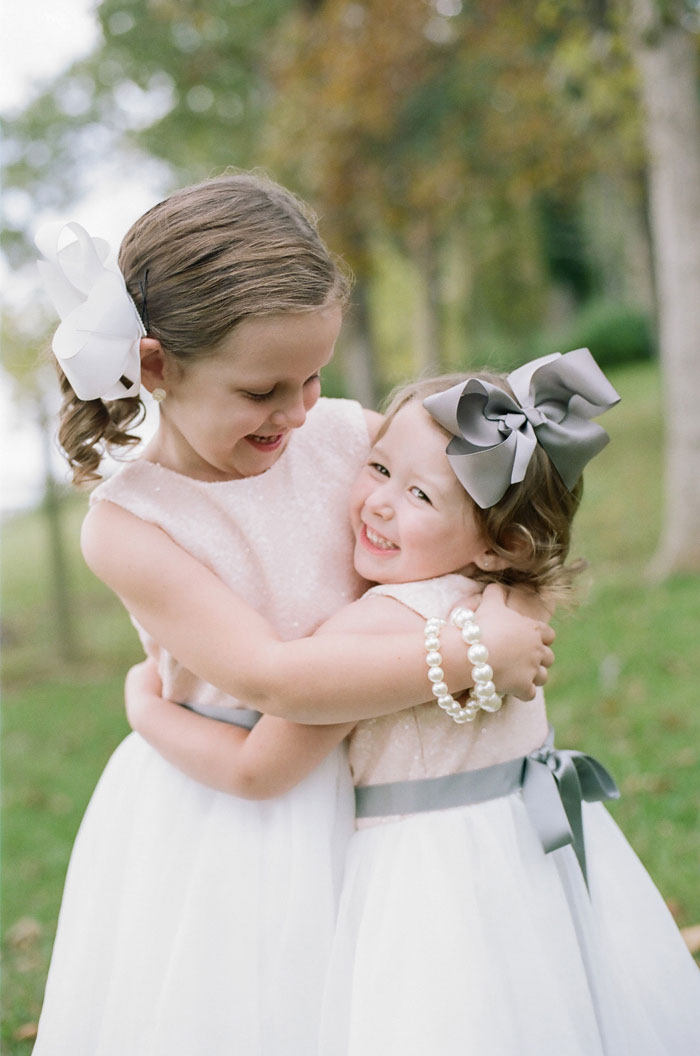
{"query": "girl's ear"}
(152, 363)
(488, 561)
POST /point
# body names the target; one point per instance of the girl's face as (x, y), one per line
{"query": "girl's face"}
(230, 416)
(411, 517)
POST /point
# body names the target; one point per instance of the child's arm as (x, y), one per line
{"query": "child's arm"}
(272, 757)
(253, 764)
(338, 677)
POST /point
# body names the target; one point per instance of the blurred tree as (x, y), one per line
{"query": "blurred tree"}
(170, 79)
(417, 118)
(444, 129)
(665, 42)
(33, 393)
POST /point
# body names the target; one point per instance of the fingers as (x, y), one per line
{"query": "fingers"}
(547, 658)
(494, 592)
(548, 635)
(541, 676)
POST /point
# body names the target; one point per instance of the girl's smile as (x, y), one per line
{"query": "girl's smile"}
(374, 542)
(267, 443)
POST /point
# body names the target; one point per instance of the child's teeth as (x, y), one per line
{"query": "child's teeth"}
(378, 540)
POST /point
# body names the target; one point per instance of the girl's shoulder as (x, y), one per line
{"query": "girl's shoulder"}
(127, 479)
(429, 597)
(344, 417)
(141, 487)
(335, 430)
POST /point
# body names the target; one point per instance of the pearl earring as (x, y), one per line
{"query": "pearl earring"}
(159, 395)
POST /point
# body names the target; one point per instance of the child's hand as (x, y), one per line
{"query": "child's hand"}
(142, 693)
(472, 600)
(518, 646)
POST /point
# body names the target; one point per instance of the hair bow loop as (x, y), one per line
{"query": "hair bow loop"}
(494, 433)
(97, 341)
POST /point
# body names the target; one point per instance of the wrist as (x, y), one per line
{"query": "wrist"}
(142, 713)
(454, 660)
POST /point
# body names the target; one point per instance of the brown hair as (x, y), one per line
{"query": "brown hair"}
(196, 265)
(530, 527)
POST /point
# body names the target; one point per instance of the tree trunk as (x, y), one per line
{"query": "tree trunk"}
(64, 615)
(666, 59)
(358, 361)
(428, 310)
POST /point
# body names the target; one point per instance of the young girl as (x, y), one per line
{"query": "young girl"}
(193, 921)
(474, 916)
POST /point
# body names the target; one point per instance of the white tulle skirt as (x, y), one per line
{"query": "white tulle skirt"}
(193, 922)
(456, 936)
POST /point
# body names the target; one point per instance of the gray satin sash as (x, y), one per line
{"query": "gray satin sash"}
(244, 717)
(553, 782)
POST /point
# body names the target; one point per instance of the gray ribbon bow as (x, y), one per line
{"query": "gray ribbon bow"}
(494, 435)
(554, 784)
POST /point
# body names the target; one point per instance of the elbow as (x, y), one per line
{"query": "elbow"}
(249, 784)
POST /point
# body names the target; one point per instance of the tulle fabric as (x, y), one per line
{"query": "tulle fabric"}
(456, 935)
(184, 911)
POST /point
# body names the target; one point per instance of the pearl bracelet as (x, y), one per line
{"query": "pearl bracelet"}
(458, 712)
(483, 695)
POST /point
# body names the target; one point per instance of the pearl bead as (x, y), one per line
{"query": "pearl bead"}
(484, 690)
(483, 696)
(492, 704)
(482, 672)
(478, 654)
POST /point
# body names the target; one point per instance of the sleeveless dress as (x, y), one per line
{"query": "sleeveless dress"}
(458, 934)
(194, 922)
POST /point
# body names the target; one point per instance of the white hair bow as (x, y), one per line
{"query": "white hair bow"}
(97, 341)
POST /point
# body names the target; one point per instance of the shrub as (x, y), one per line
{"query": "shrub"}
(615, 333)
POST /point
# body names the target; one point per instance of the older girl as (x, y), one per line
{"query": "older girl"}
(192, 921)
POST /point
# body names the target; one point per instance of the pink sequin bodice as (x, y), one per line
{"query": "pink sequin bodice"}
(423, 741)
(281, 540)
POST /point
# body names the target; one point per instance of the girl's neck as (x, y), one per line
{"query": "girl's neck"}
(165, 451)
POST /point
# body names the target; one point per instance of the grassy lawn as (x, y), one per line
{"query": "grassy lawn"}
(623, 688)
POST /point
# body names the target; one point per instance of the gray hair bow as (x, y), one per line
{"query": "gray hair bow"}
(494, 435)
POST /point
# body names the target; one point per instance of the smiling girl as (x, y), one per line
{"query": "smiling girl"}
(489, 904)
(191, 921)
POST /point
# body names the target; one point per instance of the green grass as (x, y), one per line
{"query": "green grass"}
(623, 688)
(60, 723)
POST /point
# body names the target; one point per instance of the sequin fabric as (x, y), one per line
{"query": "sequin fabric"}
(281, 540)
(423, 741)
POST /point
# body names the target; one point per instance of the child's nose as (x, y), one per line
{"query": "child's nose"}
(379, 503)
(291, 414)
